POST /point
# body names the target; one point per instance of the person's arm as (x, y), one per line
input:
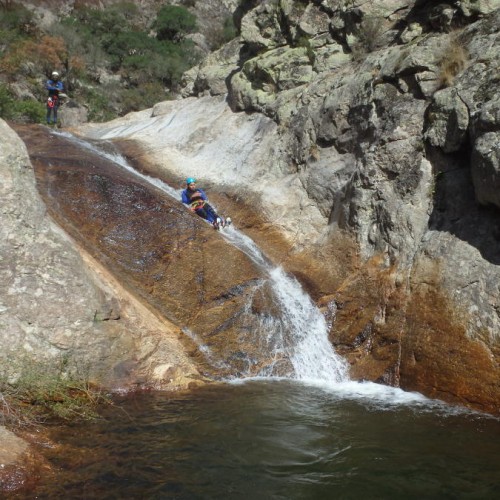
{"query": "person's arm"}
(203, 195)
(184, 198)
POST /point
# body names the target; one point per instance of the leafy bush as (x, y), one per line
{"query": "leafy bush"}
(101, 103)
(145, 96)
(26, 111)
(16, 18)
(130, 44)
(218, 37)
(176, 59)
(46, 54)
(173, 22)
(105, 23)
(368, 34)
(5, 102)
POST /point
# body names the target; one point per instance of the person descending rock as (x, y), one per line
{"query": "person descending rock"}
(197, 201)
(55, 88)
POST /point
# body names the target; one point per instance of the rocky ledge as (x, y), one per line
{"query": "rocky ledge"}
(365, 136)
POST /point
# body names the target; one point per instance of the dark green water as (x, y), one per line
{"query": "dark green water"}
(279, 440)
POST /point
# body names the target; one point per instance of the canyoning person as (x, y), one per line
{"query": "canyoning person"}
(55, 88)
(197, 201)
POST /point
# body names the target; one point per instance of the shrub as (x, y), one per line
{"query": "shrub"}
(26, 111)
(143, 58)
(142, 97)
(47, 54)
(452, 62)
(44, 391)
(102, 103)
(104, 23)
(305, 43)
(368, 34)
(130, 44)
(5, 102)
(173, 22)
(219, 36)
(16, 18)
(176, 59)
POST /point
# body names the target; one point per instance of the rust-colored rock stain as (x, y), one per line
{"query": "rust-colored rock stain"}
(163, 253)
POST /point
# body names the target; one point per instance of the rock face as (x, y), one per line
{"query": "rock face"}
(60, 309)
(386, 135)
(357, 143)
(162, 253)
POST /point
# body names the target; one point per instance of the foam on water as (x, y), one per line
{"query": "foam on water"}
(303, 332)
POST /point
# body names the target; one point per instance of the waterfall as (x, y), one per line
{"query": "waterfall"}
(301, 333)
(298, 337)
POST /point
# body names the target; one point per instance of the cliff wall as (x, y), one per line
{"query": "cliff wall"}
(60, 310)
(358, 143)
(371, 126)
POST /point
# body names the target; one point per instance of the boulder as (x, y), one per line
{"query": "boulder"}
(447, 121)
(60, 309)
(263, 77)
(211, 75)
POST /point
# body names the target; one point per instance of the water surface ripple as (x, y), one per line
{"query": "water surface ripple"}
(279, 440)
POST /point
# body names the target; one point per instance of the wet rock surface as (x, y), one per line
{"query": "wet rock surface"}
(12, 454)
(397, 144)
(60, 309)
(164, 254)
(371, 175)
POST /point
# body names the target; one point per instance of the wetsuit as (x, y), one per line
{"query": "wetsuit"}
(197, 201)
(54, 87)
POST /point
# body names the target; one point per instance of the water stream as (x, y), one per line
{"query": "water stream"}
(306, 433)
(299, 334)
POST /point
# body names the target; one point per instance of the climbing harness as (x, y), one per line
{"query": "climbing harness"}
(52, 101)
(196, 205)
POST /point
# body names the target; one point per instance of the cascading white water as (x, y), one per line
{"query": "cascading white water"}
(300, 334)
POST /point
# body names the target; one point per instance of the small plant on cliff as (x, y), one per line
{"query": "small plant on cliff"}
(218, 36)
(43, 393)
(452, 62)
(368, 35)
(306, 44)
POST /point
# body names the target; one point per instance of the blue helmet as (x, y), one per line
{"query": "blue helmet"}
(190, 180)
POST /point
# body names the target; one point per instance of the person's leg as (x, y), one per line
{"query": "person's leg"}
(55, 113)
(49, 109)
(211, 214)
(203, 213)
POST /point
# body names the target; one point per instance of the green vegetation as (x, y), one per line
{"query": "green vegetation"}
(46, 392)
(218, 37)
(368, 34)
(172, 22)
(17, 19)
(305, 43)
(112, 60)
(26, 110)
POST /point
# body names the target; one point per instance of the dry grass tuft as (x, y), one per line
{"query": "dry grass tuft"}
(453, 61)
